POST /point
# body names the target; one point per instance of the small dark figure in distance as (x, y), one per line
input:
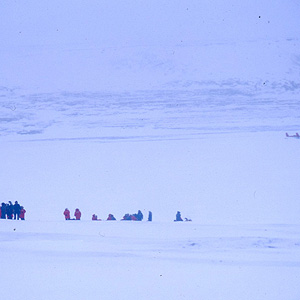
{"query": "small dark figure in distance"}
(17, 208)
(187, 220)
(67, 214)
(94, 217)
(128, 217)
(3, 210)
(139, 216)
(111, 217)
(178, 217)
(22, 213)
(150, 216)
(295, 135)
(9, 210)
(77, 214)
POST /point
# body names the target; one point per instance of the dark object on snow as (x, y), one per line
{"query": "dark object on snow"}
(3, 210)
(139, 216)
(17, 209)
(150, 216)
(94, 217)
(178, 217)
(187, 220)
(9, 210)
(111, 217)
(128, 217)
(294, 136)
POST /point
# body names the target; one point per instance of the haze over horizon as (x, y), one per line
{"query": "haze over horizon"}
(123, 45)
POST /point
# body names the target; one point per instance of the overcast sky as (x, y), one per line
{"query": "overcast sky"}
(131, 23)
(108, 45)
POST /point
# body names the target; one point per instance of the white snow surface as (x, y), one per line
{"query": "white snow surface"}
(119, 106)
(158, 260)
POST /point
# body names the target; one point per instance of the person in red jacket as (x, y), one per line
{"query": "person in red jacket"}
(22, 213)
(77, 214)
(67, 214)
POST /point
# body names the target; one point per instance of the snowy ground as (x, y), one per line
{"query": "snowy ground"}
(108, 260)
(116, 106)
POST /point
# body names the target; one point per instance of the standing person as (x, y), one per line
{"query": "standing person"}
(22, 213)
(17, 208)
(9, 210)
(67, 214)
(3, 210)
(178, 217)
(150, 216)
(139, 216)
(77, 214)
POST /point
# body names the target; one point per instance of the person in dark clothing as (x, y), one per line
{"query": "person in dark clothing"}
(150, 216)
(3, 210)
(178, 217)
(17, 209)
(126, 217)
(9, 210)
(111, 217)
(134, 217)
(139, 216)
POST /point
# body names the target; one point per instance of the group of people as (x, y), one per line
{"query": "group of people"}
(127, 217)
(12, 211)
(134, 217)
(109, 218)
(77, 214)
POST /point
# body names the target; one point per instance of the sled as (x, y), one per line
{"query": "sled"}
(294, 136)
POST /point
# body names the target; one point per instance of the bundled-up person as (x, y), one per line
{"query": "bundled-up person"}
(17, 209)
(139, 216)
(178, 217)
(77, 214)
(128, 217)
(111, 217)
(9, 210)
(22, 213)
(150, 216)
(67, 214)
(3, 210)
(94, 217)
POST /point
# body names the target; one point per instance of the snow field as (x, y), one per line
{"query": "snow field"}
(84, 259)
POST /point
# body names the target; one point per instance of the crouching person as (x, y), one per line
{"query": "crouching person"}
(178, 217)
(111, 217)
